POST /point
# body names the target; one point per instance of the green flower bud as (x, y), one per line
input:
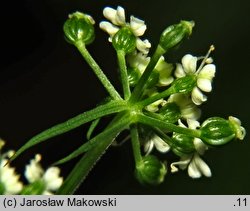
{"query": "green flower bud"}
(151, 171)
(124, 40)
(184, 85)
(79, 27)
(170, 112)
(217, 131)
(174, 34)
(182, 144)
(133, 76)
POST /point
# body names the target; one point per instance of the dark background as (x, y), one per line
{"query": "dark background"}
(44, 81)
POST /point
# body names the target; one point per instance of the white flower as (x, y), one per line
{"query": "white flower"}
(205, 73)
(50, 178)
(153, 107)
(139, 61)
(195, 165)
(187, 108)
(158, 143)
(9, 180)
(164, 69)
(118, 19)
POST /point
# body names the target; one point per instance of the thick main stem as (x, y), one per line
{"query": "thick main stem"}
(97, 70)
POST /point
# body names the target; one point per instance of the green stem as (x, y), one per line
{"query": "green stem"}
(97, 70)
(163, 136)
(138, 90)
(102, 110)
(92, 128)
(156, 97)
(124, 74)
(91, 143)
(86, 163)
(135, 144)
(166, 125)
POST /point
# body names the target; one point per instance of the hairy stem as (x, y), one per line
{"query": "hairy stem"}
(124, 74)
(97, 70)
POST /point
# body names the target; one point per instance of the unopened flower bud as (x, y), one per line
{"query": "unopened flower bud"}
(217, 131)
(182, 144)
(184, 85)
(174, 34)
(133, 76)
(170, 112)
(79, 27)
(124, 40)
(151, 171)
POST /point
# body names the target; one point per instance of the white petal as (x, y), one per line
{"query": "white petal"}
(165, 81)
(189, 63)
(165, 70)
(191, 112)
(52, 179)
(153, 107)
(160, 145)
(179, 71)
(193, 124)
(138, 26)
(14, 189)
(34, 171)
(202, 166)
(109, 13)
(117, 17)
(108, 27)
(209, 60)
(208, 72)
(143, 45)
(9, 179)
(183, 163)
(200, 146)
(181, 124)
(120, 16)
(193, 171)
(197, 96)
(204, 84)
(148, 147)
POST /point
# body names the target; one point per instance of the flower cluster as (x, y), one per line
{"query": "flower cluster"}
(158, 105)
(176, 107)
(39, 181)
(118, 19)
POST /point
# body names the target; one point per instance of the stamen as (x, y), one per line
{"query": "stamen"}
(206, 59)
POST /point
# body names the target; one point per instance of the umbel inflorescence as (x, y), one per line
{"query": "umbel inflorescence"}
(159, 106)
